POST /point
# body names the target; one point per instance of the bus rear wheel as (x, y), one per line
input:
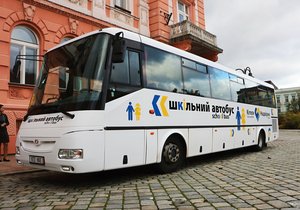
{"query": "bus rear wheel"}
(261, 142)
(173, 156)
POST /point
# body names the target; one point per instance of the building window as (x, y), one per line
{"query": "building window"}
(278, 99)
(67, 38)
(183, 12)
(286, 99)
(25, 43)
(122, 4)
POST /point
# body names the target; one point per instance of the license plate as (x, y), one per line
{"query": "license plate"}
(39, 160)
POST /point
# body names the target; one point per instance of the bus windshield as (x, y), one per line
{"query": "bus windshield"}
(71, 77)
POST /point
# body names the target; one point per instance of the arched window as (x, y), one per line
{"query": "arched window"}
(67, 38)
(23, 42)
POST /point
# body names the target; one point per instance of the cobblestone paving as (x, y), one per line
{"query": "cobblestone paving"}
(232, 180)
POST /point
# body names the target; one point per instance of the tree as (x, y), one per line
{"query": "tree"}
(294, 105)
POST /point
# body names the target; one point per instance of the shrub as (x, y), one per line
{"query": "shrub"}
(289, 120)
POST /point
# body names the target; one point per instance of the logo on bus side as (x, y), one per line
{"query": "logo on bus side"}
(46, 120)
(159, 109)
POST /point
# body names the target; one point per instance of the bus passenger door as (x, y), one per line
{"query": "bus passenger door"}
(151, 146)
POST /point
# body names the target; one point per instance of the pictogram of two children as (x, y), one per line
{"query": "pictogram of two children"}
(136, 110)
(240, 118)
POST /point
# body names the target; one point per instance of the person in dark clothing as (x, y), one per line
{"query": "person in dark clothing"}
(4, 138)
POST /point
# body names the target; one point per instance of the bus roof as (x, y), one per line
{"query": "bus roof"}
(151, 42)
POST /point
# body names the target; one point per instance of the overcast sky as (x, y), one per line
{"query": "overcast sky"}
(261, 34)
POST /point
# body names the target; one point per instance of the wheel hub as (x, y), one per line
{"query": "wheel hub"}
(173, 152)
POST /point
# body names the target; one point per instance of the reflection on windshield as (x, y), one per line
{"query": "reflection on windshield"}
(71, 77)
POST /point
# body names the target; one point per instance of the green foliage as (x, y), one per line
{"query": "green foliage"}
(289, 120)
(294, 106)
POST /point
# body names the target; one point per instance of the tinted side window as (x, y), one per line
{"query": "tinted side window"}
(237, 86)
(134, 66)
(195, 82)
(163, 70)
(220, 87)
(127, 72)
(120, 71)
(259, 95)
(125, 77)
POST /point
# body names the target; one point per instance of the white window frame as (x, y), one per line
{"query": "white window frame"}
(24, 46)
(184, 13)
(124, 4)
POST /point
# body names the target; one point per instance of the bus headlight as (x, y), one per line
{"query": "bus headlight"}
(70, 154)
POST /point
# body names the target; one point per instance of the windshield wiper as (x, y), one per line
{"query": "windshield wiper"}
(30, 110)
(68, 114)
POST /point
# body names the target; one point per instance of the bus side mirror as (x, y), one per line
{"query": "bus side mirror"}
(118, 48)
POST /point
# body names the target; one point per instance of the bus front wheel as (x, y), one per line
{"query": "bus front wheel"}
(173, 156)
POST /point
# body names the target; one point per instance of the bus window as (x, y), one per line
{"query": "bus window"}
(195, 82)
(257, 94)
(120, 71)
(219, 81)
(126, 76)
(163, 70)
(188, 63)
(201, 68)
(134, 67)
(237, 86)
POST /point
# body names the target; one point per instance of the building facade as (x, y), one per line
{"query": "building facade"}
(31, 27)
(285, 96)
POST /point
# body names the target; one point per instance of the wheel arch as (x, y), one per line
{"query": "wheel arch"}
(262, 131)
(181, 135)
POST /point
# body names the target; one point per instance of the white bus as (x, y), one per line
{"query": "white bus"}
(112, 99)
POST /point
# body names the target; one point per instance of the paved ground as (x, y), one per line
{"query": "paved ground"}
(232, 180)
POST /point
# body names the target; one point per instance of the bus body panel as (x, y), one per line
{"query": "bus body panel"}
(199, 141)
(246, 137)
(151, 146)
(222, 139)
(124, 148)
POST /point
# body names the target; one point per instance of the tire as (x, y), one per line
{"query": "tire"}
(261, 142)
(173, 156)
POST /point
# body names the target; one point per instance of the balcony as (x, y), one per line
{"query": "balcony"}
(194, 39)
